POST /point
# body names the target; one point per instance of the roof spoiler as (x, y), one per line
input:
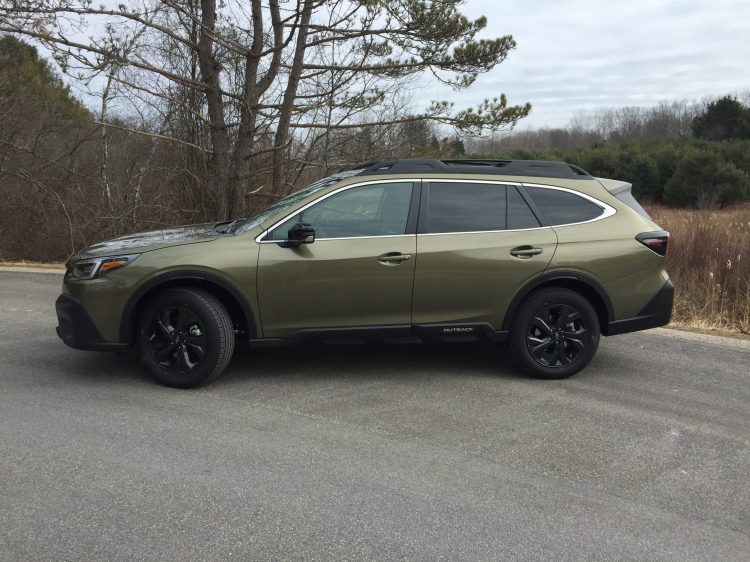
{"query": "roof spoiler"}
(615, 186)
(622, 190)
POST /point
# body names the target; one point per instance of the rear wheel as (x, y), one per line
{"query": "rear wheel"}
(554, 334)
(185, 337)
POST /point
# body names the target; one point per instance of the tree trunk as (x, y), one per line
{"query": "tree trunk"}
(210, 70)
(281, 139)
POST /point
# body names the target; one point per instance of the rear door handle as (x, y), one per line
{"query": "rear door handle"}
(525, 251)
(393, 258)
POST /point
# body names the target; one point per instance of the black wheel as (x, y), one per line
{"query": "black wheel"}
(554, 334)
(185, 337)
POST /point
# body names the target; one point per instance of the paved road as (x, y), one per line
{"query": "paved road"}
(389, 453)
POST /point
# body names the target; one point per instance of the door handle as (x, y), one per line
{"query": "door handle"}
(393, 258)
(525, 251)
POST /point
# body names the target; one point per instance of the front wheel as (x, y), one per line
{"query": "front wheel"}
(554, 334)
(185, 337)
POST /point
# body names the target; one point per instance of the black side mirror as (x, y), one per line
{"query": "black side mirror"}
(300, 233)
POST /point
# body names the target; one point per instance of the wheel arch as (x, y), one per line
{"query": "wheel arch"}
(229, 295)
(581, 283)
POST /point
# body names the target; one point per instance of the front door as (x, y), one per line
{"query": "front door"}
(359, 272)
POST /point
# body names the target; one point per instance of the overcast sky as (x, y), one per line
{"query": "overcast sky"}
(580, 55)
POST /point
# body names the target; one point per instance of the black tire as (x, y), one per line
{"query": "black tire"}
(563, 320)
(185, 337)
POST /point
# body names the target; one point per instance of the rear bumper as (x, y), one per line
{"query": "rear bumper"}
(656, 313)
(76, 329)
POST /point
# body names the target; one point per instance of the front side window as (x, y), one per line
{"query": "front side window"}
(465, 207)
(369, 210)
(562, 207)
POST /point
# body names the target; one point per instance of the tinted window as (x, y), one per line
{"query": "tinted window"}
(465, 207)
(371, 210)
(562, 207)
(519, 213)
(627, 198)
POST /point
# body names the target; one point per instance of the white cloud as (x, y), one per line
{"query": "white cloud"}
(581, 55)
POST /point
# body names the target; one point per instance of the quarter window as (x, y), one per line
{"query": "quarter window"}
(519, 213)
(562, 207)
(370, 210)
(465, 207)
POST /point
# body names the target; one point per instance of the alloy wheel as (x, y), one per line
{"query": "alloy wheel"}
(557, 335)
(176, 340)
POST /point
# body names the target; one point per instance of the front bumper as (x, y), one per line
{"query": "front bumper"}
(76, 329)
(657, 312)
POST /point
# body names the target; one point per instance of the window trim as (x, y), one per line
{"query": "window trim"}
(421, 184)
(607, 210)
(416, 186)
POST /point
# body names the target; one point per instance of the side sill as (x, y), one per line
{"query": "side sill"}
(418, 333)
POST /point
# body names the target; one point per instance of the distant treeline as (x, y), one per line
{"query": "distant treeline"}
(681, 154)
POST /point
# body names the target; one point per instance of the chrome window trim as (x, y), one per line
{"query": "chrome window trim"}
(352, 238)
(482, 231)
(259, 238)
(607, 210)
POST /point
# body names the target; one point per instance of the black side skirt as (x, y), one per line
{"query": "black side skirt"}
(418, 333)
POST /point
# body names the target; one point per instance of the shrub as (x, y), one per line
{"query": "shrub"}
(702, 179)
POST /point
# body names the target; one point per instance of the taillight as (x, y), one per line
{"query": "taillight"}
(657, 241)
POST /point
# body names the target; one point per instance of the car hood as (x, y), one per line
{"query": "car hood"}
(152, 240)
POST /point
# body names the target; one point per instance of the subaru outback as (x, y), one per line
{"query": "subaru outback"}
(538, 256)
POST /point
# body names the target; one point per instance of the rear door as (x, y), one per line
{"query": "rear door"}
(478, 242)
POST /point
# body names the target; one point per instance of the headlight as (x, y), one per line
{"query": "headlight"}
(96, 267)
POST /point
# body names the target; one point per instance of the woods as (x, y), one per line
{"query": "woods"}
(183, 111)
(206, 110)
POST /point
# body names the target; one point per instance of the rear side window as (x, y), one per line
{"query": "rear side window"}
(465, 207)
(519, 213)
(563, 207)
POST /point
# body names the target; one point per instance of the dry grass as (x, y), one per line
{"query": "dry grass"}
(709, 262)
(33, 264)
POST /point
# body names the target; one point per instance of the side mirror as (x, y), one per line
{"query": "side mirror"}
(300, 233)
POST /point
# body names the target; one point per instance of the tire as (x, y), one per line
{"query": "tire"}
(185, 337)
(566, 322)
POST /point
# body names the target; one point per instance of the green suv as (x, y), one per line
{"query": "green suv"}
(539, 256)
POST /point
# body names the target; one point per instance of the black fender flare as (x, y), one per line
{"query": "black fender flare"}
(564, 277)
(127, 321)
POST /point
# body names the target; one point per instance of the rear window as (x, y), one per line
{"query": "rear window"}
(465, 207)
(627, 197)
(562, 207)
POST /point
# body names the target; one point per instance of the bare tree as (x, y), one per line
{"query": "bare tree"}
(260, 68)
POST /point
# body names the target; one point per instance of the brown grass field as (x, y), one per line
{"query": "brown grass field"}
(709, 262)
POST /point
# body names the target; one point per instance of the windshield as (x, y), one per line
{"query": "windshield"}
(290, 200)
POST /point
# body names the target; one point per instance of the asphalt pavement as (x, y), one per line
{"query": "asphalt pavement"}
(388, 453)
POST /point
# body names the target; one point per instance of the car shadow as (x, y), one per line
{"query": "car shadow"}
(320, 363)
(369, 361)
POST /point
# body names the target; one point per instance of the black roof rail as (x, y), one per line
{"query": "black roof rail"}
(534, 168)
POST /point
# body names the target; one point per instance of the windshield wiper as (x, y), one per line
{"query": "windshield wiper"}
(226, 227)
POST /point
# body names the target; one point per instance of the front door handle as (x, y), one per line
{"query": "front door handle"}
(525, 251)
(393, 258)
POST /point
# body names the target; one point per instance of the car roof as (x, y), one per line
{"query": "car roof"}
(527, 168)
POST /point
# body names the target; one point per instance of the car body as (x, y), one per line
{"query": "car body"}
(403, 250)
